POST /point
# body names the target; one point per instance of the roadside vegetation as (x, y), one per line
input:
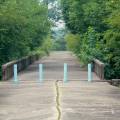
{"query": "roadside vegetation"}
(94, 32)
(24, 29)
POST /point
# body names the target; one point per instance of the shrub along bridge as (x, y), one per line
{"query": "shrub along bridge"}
(57, 87)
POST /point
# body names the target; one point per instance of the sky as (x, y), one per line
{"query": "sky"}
(60, 24)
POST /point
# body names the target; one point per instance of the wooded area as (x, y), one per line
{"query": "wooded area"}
(24, 29)
(94, 32)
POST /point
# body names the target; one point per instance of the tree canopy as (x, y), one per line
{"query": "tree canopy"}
(94, 31)
(24, 26)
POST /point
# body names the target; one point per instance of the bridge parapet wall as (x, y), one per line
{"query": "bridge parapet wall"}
(7, 69)
(98, 68)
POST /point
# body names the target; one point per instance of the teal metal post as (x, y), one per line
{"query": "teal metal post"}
(89, 72)
(65, 73)
(41, 72)
(15, 73)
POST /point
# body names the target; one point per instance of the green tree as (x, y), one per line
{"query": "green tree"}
(98, 24)
(24, 25)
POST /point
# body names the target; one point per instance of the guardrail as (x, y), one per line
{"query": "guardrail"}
(98, 68)
(7, 69)
(115, 82)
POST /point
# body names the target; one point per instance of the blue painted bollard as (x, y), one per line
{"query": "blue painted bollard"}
(40, 72)
(89, 72)
(15, 73)
(65, 73)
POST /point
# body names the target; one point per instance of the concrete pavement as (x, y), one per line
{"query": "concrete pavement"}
(53, 66)
(54, 100)
(82, 100)
(27, 101)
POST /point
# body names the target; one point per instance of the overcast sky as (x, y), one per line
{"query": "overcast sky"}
(59, 24)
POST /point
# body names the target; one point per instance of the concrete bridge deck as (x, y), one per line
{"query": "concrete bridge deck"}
(55, 100)
(53, 68)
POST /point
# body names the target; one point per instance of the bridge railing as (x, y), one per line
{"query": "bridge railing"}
(98, 68)
(7, 69)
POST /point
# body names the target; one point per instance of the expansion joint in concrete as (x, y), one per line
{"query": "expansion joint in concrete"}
(58, 100)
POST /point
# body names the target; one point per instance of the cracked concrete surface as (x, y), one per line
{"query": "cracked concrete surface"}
(58, 106)
(55, 100)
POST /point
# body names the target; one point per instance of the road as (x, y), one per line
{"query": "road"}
(53, 68)
(52, 99)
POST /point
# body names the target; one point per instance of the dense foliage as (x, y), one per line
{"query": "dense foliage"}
(24, 27)
(59, 43)
(94, 31)
(58, 30)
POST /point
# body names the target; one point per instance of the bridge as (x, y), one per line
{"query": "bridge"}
(52, 99)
